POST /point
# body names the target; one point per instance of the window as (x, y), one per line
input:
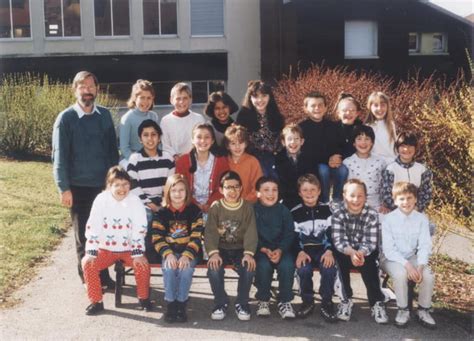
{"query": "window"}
(207, 17)
(200, 90)
(160, 17)
(427, 43)
(112, 17)
(360, 39)
(15, 19)
(62, 18)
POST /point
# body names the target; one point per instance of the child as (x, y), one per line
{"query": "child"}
(177, 233)
(274, 250)
(236, 141)
(364, 166)
(404, 168)
(115, 231)
(322, 152)
(312, 224)
(407, 247)
(380, 118)
(263, 120)
(203, 167)
(231, 238)
(178, 125)
(288, 164)
(348, 111)
(219, 107)
(355, 230)
(149, 168)
(140, 104)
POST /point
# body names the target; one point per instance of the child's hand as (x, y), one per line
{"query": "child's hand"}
(420, 273)
(140, 261)
(66, 199)
(412, 272)
(171, 262)
(358, 258)
(328, 259)
(265, 251)
(275, 256)
(153, 207)
(184, 263)
(250, 262)
(215, 262)
(335, 161)
(302, 259)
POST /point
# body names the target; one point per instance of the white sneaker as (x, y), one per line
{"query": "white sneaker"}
(425, 318)
(243, 312)
(219, 313)
(402, 318)
(286, 310)
(344, 310)
(263, 309)
(379, 313)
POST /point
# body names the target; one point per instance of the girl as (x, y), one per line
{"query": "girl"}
(177, 233)
(380, 118)
(247, 166)
(115, 232)
(219, 108)
(348, 111)
(140, 104)
(203, 166)
(260, 115)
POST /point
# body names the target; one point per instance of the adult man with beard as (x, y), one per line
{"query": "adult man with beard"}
(84, 148)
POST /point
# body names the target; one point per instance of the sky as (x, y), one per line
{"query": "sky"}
(459, 7)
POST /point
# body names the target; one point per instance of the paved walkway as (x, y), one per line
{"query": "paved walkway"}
(54, 302)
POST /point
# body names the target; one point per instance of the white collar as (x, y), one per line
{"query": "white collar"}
(81, 112)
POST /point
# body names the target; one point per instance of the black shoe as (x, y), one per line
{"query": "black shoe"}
(94, 308)
(305, 310)
(171, 311)
(146, 304)
(109, 285)
(328, 312)
(181, 312)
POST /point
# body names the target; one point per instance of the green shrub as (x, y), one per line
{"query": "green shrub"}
(29, 104)
(440, 114)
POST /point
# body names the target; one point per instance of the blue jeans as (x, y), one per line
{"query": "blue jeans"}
(177, 282)
(216, 278)
(338, 175)
(328, 277)
(267, 163)
(264, 277)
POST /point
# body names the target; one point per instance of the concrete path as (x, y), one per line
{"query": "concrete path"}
(53, 308)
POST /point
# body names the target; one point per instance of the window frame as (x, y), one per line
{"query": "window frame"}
(190, 84)
(375, 38)
(112, 36)
(444, 43)
(160, 35)
(12, 37)
(418, 43)
(426, 52)
(62, 23)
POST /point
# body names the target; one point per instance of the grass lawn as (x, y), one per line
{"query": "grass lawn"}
(31, 221)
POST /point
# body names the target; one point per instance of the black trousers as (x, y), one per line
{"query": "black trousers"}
(369, 272)
(82, 199)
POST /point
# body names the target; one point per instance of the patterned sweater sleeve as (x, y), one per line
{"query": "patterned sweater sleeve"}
(94, 227)
(197, 228)
(338, 231)
(425, 191)
(371, 233)
(139, 228)
(386, 189)
(159, 231)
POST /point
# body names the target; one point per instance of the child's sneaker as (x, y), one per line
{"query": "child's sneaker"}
(219, 313)
(344, 311)
(328, 313)
(306, 309)
(425, 318)
(379, 313)
(402, 318)
(286, 310)
(243, 312)
(263, 309)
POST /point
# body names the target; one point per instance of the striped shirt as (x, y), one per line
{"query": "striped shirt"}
(149, 174)
(359, 231)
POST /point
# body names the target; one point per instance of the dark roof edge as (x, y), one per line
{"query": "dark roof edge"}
(445, 11)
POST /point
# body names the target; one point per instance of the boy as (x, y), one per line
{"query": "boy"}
(322, 152)
(406, 245)
(312, 224)
(355, 230)
(365, 166)
(274, 250)
(236, 141)
(149, 168)
(288, 164)
(231, 238)
(178, 125)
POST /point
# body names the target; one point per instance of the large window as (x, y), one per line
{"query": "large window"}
(62, 18)
(160, 17)
(112, 17)
(207, 17)
(15, 19)
(360, 39)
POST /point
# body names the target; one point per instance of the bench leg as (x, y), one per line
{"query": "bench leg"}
(119, 280)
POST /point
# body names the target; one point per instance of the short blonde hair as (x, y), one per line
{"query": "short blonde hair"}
(235, 131)
(291, 128)
(180, 87)
(172, 181)
(403, 187)
(355, 182)
(116, 173)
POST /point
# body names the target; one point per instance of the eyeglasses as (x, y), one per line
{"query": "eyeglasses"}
(232, 188)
